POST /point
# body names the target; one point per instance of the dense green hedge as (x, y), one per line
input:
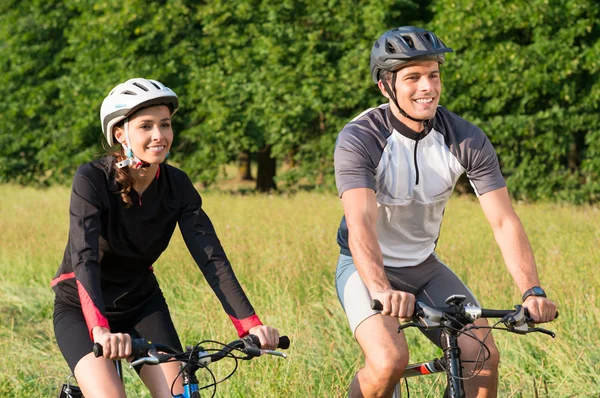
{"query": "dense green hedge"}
(288, 75)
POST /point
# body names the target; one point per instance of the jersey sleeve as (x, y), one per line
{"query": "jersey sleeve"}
(353, 159)
(202, 241)
(483, 168)
(84, 232)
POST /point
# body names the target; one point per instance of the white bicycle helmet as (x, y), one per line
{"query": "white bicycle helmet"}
(129, 97)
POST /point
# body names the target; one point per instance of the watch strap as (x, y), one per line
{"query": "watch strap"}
(534, 291)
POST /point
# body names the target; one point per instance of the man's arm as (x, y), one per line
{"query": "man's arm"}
(516, 250)
(360, 209)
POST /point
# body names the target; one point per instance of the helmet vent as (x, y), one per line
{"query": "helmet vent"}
(155, 85)
(390, 47)
(430, 39)
(409, 41)
(140, 86)
(128, 92)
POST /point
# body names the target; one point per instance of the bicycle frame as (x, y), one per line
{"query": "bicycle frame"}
(452, 320)
(455, 385)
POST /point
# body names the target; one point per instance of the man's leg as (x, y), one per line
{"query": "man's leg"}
(385, 350)
(386, 357)
(442, 282)
(485, 385)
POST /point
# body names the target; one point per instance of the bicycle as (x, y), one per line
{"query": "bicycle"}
(453, 320)
(193, 359)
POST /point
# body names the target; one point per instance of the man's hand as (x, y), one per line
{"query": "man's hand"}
(541, 309)
(395, 303)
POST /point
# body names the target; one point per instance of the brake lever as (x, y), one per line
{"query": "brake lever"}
(153, 358)
(275, 353)
(542, 330)
(411, 324)
(149, 360)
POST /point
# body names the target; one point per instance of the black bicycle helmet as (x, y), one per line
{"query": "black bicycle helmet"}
(401, 45)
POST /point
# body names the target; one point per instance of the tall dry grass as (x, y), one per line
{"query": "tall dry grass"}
(284, 251)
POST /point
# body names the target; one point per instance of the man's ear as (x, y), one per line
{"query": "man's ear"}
(383, 90)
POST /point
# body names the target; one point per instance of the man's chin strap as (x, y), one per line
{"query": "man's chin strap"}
(392, 95)
(131, 159)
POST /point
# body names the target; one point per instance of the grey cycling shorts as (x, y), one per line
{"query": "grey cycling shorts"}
(431, 282)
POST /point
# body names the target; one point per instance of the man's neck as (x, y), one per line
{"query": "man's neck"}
(411, 124)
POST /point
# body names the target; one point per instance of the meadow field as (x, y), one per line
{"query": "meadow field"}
(284, 252)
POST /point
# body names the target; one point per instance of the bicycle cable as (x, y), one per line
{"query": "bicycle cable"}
(467, 331)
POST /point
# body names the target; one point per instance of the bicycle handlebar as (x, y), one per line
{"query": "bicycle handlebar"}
(249, 345)
(516, 320)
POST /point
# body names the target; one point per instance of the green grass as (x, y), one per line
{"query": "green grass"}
(284, 251)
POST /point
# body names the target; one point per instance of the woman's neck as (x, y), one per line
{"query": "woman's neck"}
(143, 177)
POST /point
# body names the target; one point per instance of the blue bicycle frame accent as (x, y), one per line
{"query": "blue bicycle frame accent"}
(188, 391)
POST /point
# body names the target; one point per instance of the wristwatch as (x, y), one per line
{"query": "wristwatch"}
(534, 291)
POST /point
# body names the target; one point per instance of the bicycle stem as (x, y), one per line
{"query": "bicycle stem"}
(453, 362)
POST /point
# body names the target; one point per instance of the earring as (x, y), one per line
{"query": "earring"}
(167, 156)
(129, 153)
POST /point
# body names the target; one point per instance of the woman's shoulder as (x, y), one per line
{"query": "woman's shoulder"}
(174, 173)
(179, 181)
(97, 171)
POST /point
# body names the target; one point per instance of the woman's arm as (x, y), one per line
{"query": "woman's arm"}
(84, 232)
(206, 249)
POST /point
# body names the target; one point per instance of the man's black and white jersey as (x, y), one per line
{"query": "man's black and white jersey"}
(413, 176)
(107, 264)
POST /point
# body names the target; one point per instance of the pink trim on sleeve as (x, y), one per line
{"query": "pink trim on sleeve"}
(244, 325)
(91, 313)
(61, 278)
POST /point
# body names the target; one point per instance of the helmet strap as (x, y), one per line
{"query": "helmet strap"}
(392, 94)
(131, 159)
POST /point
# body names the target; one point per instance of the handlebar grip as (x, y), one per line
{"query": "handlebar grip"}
(97, 349)
(284, 341)
(376, 305)
(529, 317)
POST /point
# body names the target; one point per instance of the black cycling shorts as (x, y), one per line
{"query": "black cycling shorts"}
(431, 282)
(152, 322)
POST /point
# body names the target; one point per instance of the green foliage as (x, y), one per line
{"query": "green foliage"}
(527, 73)
(285, 74)
(290, 74)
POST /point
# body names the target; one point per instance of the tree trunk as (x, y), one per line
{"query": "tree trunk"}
(265, 176)
(244, 173)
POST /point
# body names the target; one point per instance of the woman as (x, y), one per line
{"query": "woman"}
(123, 212)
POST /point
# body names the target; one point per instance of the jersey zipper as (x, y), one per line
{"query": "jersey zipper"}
(419, 136)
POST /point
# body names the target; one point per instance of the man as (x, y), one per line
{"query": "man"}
(396, 167)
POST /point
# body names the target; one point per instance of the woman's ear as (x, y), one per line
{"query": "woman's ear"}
(119, 134)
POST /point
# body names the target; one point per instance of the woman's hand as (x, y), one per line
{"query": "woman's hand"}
(114, 345)
(268, 336)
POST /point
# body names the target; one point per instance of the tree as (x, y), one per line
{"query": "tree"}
(286, 77)
(526, 72)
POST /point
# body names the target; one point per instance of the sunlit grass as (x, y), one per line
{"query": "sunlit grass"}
(284, 251)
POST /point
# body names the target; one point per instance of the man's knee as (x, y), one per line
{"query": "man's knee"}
(478, 357)
(387, 368)
(494, 359)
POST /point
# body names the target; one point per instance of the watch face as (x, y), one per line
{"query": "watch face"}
(538, 290)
